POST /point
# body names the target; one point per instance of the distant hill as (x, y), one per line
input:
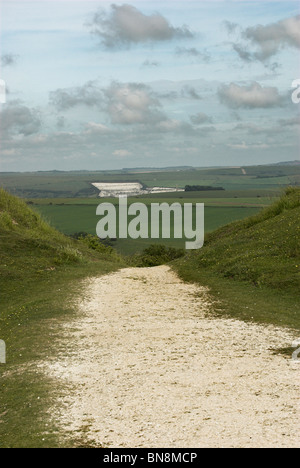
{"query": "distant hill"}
(79, 184)
(288, 163)
(158, 169)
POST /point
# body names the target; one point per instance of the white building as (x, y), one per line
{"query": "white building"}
(129, 189)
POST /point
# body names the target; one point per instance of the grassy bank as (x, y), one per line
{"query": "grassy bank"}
(254, 264)
(40, 278)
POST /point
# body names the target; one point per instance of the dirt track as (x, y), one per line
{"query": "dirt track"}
(148, 367)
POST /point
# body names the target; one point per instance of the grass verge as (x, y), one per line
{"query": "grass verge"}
(41, 275)
(253, 266)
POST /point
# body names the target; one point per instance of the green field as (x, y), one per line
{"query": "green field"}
(58, 184)
(71, 216)
(68, 201)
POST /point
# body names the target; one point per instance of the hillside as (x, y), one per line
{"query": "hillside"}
(41, 273)
(259, 255)
(30, 249)
(39, 265)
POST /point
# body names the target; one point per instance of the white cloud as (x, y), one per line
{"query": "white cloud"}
(244, 146)
(124, 25)
(268, 39)
(19, 119)
(88, 94)
(122, 153)
(177, 127)
(93, 128)
(169, 125)
(249, 97)
(190, 92)
(273, 37)
(230, 26)
(192, 52)
(10, 152)
(132, 103)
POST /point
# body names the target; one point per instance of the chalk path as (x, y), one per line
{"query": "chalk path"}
(145, 364)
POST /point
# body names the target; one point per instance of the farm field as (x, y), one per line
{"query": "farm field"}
(68, 200)
(78, 184)
(71, 216)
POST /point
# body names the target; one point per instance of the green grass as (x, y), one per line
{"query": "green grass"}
(254, 262)
(40, 277)
(254, 195)
(70, 218)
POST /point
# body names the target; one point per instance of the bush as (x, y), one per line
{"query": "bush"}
(156, 255)
(94, 243)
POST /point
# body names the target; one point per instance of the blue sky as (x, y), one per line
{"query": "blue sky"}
(148, 83)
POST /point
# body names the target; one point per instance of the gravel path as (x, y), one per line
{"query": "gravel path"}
(147, 366)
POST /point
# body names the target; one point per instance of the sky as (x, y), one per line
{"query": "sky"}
(96, 85)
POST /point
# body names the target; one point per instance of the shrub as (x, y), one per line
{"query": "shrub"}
(94, 243)
(156, 255)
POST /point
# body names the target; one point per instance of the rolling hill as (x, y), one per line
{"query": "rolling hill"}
(257, 258)
(30, 248)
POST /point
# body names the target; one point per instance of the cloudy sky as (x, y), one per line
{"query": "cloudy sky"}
(98, 85)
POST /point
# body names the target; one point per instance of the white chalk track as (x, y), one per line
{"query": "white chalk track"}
(147, 364)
